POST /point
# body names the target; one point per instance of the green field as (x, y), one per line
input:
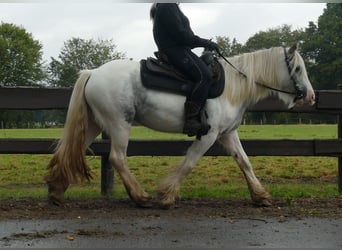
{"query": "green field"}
(22, 175)
(245, 131)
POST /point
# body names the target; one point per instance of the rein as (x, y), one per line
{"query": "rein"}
(298, 94)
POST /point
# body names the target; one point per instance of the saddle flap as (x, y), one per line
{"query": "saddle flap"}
(160, 79)
(161, 68)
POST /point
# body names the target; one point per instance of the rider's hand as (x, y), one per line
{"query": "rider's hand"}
(211, 45)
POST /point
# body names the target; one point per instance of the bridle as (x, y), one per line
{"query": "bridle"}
(297, 93)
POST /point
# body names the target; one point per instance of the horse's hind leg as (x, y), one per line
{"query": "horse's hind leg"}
(232, 144)
(118, 159)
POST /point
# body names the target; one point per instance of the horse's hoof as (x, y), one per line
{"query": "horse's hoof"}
(266, 203)
(144, 200)
(166, 204)
(54, 202)
(56, 192)
(263, 203)
(146, 203)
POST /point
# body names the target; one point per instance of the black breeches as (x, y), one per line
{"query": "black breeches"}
(194, 68)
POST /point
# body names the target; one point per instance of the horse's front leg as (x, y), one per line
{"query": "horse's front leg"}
(169, 187)
(232, 144)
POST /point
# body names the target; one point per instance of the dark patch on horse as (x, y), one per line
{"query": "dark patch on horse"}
(129, 115)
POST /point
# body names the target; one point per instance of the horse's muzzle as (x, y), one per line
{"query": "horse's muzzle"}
(307, 98)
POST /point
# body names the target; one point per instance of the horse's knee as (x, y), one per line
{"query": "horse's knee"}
(117, 162)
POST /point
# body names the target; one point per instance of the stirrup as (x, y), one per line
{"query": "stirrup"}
(193, 128)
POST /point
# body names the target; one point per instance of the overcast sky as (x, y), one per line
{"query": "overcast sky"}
(128, 24)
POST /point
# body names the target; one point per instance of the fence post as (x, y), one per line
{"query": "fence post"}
(339, 135)
(107, 172)
(340, 158)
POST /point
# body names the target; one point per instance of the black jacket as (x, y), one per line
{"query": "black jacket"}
(171, 28)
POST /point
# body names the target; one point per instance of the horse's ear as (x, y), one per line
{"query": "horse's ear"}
(293, 48)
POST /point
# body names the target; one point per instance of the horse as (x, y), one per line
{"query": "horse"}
(111, 98)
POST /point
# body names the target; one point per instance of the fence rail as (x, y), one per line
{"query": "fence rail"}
(58, 98)
(255, 147)
(26, 98)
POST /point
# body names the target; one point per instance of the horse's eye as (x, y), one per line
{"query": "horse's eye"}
(297, 69)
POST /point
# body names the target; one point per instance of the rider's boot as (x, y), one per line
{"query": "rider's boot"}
(195, 120)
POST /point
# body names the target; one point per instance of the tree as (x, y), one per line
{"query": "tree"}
(229, 48)
(20, 57)
(20, 65)
(323, 48)
(281, 36)
(79, 54)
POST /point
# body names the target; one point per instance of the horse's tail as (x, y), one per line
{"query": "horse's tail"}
(68, 163)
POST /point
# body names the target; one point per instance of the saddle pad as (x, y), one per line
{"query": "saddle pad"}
(165, 78)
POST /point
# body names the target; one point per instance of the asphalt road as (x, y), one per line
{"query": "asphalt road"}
(164, 231)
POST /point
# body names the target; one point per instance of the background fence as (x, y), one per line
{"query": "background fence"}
(58, 98)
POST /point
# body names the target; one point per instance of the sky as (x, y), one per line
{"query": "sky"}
(129, 26)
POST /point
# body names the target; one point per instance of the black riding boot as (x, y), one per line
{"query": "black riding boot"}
(195, 120)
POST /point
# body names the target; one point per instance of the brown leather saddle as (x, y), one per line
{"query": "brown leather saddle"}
(159, 75)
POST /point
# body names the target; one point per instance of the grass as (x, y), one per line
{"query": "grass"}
(288, 131)
(290, 177)
(245, 131)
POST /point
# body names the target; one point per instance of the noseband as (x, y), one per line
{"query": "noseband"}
(297, 93)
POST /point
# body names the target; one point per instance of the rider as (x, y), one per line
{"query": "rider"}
(175, 39)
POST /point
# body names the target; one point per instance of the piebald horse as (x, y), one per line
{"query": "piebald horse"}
(112, 97)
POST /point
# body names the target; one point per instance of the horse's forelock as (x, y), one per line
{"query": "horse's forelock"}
(296, 61)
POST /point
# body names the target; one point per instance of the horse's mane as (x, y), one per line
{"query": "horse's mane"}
(259, 66)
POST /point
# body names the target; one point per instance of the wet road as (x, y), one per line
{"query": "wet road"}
(164, 231)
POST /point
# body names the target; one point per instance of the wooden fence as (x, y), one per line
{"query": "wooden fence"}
(58, 98)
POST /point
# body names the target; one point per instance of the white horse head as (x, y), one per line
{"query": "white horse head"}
(279, 71)
(297, 74)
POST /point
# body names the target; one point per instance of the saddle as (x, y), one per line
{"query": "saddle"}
(158, 74)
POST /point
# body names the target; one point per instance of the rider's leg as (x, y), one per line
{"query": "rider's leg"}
(193, 67)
